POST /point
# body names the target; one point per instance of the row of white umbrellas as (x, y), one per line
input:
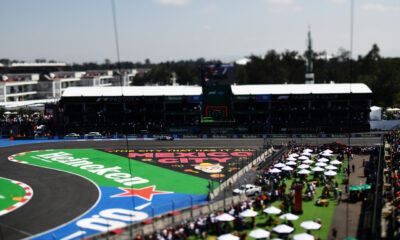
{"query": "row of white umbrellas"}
(280, 229)
(261, 233)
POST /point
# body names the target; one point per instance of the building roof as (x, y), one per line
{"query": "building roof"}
(279, 89)
(46, 64)
(133, 91)
(274, 89)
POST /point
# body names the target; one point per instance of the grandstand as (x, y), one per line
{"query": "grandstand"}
(283, 108)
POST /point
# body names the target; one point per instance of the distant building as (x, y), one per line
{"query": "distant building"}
(18, 87)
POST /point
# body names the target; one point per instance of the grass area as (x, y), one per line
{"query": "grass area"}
(10, 193)
(310, 212)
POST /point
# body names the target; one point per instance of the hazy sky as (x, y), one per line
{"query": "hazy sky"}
(160, 30)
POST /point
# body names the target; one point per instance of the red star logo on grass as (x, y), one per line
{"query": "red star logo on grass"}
(145, 193)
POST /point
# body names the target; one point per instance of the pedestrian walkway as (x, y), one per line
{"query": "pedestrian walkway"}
(347, 214)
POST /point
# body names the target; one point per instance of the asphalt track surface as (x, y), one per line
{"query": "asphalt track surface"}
(60, 197)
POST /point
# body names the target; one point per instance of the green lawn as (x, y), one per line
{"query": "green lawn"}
(10, 193)
(310, 212)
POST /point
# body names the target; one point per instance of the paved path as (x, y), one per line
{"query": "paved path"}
(347, 214)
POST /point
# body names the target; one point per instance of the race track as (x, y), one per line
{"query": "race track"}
(60, 197)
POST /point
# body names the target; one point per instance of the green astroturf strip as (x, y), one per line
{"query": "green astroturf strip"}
(164, 179)
(9, 190)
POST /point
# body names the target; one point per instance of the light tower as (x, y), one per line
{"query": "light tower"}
(309, 63)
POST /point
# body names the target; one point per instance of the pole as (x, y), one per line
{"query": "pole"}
(191, 207)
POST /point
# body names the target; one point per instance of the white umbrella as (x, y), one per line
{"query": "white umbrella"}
(303, 172)
(294, 155)
(303, 236)
(326, 154)
(291, 159)
(303, 166)
(248, 213)
(308, 161)
(336, 162)
(283, 228)
(228, 236)
(321, 164)
(303, 158)
(331, 167)
(259, 233)
(306, 154)
(327, 151)
(279, 165)
(307, 150)
(291, 163)
(289, 216)
(330, 173)
(323, 160)
(275, 170)
(272, 210)
(287, 168)
(318, 169)
(224, 217)
(310, 225)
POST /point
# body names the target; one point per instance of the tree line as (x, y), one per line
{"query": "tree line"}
(380, 74)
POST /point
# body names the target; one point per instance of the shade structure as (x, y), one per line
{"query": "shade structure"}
(303, 172)
(306, 154)
(291, 159)
(283, 229)
(272, 210)
(308, 161)
(326, 154)
(327, 151)
(291, 163)
(303, 236)
(303, 158)
(275, 170)
(330, 173)
(224, 217)
(248, 213)
(331, 167)
(289, 216)
(279, 165)
(323, 160)
(318, 169)
(294, 155)
(303, 166)
(321, 164)
(310, 225)
(287, 168)
(228, 236)
(259, 233)
(307, 150)
(336, 162)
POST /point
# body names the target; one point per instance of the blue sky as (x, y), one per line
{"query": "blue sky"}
(160, 30)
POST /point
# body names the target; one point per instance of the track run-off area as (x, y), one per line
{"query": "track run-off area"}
(80, 188)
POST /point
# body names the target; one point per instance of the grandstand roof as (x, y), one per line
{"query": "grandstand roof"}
(133, 91)
(274, 89)
(279, 89)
